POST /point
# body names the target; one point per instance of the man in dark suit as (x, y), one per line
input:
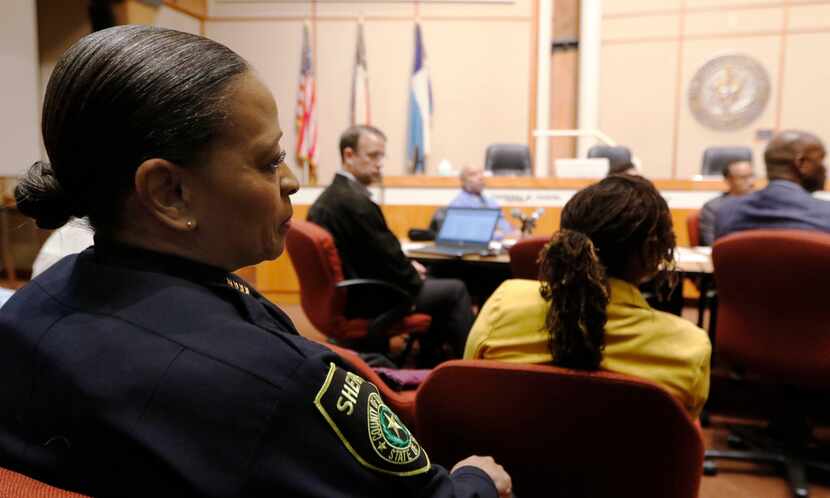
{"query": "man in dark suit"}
(795, 169)
(368, 249)
(740, 179)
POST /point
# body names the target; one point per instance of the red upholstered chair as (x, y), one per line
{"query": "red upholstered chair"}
(774, 324)
(403, 402)
(693, 228)
(524, 256)
(561, 432)
(14, 485)
(324, 295)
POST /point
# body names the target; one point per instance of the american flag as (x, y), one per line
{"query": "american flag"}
(306, 124)
(360, 110)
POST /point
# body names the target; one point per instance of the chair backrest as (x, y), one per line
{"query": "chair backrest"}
(14, 485)
(617, 155)
(693, 228)
(562, 432)
(524, 257)
(317, 263)
(508, 159)
(437, 219)
(773, 314)
(717, 158)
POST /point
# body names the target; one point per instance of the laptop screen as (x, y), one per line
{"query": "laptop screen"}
(468, 225)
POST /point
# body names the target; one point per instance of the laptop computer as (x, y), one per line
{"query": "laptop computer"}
(465, 231)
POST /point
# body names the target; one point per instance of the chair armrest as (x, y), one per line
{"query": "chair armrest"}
(368, 283)
(388, 305)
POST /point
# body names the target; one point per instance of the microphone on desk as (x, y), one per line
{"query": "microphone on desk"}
(518, 214)
(531, 221)
(528, 222)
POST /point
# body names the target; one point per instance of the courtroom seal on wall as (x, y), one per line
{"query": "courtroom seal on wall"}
(729, 92)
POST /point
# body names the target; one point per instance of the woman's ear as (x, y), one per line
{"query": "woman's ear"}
(160, 188)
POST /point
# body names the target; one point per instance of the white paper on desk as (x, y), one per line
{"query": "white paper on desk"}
(412, 246)
(690, 256)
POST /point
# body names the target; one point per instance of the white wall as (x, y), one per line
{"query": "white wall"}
(651, 50)
(19, 87)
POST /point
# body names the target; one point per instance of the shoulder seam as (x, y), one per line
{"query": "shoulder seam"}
(76, 310)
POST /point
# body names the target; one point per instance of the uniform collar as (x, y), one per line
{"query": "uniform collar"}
(625, 293)
(114, 253)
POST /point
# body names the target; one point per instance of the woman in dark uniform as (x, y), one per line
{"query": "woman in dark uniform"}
(142, 366)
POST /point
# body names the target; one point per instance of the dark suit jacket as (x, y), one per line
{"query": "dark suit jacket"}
(782, 204)
(708, 214)
(130, 373)
(367, 248)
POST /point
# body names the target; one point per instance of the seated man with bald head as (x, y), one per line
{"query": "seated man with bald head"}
(472, 196)
(795, 169)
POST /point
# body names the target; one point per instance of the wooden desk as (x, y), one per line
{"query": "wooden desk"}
(689, 260)
(483, 274)
(499, 260)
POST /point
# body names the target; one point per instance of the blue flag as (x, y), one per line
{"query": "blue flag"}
(420, 109)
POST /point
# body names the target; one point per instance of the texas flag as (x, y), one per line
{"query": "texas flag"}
(420, 109)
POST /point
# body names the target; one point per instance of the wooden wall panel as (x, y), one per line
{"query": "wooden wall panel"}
(693, 138)
(629, 7)
(805, 83)
(684, 34)
(564, 91)
(637, 93)
(564, 80)
(196, 8)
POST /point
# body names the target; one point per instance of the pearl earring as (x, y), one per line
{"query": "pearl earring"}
(190, 224)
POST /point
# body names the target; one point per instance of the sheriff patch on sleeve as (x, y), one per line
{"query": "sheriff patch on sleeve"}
(368, 428)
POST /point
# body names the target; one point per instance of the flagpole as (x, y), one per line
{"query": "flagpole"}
(543, 87)
(307, 161)
(313, 41)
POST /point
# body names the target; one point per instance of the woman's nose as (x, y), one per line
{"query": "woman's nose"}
(288, 183)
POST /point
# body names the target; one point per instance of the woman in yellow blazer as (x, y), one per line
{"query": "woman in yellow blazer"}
(587, 312)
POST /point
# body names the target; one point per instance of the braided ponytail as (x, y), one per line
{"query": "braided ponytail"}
(574, 280)
(620, 227)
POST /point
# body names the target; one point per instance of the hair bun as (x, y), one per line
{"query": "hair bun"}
(39, 195)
